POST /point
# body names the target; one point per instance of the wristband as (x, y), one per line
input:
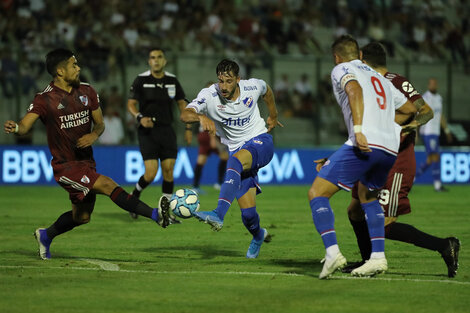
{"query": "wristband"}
(138, 117)
(188, 128)
(17, 128)
(358, 128)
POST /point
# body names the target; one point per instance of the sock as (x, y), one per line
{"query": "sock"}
(324, 220)
(332, 251)
(197, 175)
(362, 237)
(422, 168)
(141, 184)
(132, 204)
(221, 171)
(230, 187)
(409, 234)
(167, 187)
(250, 219)
(63, 224)
(436, 174)
(375, 223)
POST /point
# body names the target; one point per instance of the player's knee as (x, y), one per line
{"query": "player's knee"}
(82, 218)
(150, 174)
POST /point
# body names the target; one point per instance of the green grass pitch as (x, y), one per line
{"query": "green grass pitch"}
(115, 264)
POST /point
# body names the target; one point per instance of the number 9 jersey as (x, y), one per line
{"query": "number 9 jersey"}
(381, 99)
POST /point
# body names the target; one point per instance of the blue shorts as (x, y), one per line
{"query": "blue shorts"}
(431, 143)
(262, 150)
(348, 165)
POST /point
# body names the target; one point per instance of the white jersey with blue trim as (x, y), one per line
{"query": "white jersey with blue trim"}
(236, 121)
(381, 99)
(433, 127)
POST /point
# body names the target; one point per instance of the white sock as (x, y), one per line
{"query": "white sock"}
(437, 184)
(137, 186)
(377, 255)
(332, 251)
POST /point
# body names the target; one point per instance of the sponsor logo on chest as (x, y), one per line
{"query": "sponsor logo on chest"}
(236, 121)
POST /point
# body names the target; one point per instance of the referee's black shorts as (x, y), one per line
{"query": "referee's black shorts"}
(158, 142)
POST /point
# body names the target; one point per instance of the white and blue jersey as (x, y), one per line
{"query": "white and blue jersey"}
(433, 127)
(381, 99)
(236, 121)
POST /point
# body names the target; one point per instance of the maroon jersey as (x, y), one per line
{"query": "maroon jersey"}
(406, 88)
(67, 117)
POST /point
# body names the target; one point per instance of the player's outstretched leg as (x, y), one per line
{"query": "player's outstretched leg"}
(227, 193)
(375, 221)
(139, 186)
(250, 219)
(324, 221)
(132, 204)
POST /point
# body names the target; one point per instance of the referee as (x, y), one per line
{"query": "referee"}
(155, 92)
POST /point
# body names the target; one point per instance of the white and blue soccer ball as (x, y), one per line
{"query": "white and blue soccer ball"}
(184, 202)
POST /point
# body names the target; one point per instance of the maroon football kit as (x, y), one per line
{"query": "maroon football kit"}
(394, 195)
(68, 117)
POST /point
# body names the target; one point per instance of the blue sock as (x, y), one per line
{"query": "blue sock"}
(250, 219)
(324, 220)
(155, 215)
(375, 222)
(422, 168)
(230, 187)
(436, 171)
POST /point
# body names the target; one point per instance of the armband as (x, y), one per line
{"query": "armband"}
(139, 117)
(358, 128)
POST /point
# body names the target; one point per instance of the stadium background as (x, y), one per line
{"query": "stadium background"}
(285, 43)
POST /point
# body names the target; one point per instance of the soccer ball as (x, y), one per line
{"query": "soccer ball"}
(184, 202)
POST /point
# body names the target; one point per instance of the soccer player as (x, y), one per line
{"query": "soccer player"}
(230, 109)
(368, 102)
(430, 135)
(209, 144)
(71, 112)
(394, 195)
(155, 92)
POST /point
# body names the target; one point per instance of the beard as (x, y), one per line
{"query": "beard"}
(75, 83)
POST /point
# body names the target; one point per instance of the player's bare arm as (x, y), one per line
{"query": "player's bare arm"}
(425, 113)
(188, 133)
(98, 128)
(272, 120)
(23, 126)
(189, 115)
(446, 128)
(356, 102)
(145, 121)
(404, 113)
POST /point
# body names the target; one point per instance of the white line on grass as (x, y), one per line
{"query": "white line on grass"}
(416, 280)
(107, 266)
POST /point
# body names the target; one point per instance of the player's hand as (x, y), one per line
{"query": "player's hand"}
(408, 128)
(9, 127)
(272, 123)
(320, 163)
(207, 124)
(86, 140)
(362, 142)
(146, 122)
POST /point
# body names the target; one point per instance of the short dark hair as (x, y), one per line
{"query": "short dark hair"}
(156, 49)
(346, 46)
(227, 66)
(55, 57)
(374, 54)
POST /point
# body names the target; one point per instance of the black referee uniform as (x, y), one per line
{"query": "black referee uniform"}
(157, 97)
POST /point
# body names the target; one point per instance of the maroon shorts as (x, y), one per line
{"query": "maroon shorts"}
(204, 140)
(78, 179)
(394, 195)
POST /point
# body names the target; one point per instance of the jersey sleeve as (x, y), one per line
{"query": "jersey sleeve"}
(38, 106)
(179, 91)
(262, 86)
(135, 90)
(342, 74)
(94, 99)
(200, 103)
(406, 88)
(399, 98)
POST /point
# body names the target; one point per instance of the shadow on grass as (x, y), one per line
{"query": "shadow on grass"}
(204, 251)
(309, 267)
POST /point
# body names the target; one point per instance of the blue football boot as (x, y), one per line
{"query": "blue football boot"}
(211, 218)
(255, 245)
(43, 243)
